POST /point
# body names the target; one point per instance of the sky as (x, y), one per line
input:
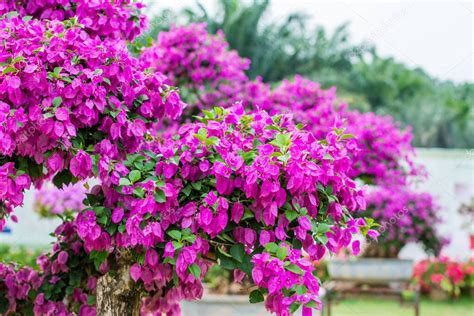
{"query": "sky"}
(436, 36)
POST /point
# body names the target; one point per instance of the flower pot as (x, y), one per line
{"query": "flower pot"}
(371, 270)
(228, 305)
(438, 294)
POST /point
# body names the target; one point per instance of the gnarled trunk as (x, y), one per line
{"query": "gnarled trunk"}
(117, 295)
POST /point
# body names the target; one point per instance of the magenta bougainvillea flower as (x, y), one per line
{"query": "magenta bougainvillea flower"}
(62, 93)
(199, 63)
(107, 19)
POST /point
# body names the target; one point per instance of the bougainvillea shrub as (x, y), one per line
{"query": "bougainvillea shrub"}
(202, 65)
(51, 200)
(116, 19)
(65, 284)
(251, 191)
(66, 96)
(443, 273)
(383, 154)
(214, 75)
(404, 216)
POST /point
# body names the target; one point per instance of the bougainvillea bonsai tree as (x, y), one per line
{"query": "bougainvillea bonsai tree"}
(249, 191)
(380, 151)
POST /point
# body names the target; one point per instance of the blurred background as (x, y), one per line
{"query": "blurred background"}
(412, 60)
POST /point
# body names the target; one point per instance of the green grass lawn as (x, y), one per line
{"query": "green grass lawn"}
(380, 307)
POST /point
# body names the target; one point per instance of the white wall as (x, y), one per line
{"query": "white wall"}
(451, 180)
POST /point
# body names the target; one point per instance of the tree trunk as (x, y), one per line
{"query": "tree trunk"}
(117, 295)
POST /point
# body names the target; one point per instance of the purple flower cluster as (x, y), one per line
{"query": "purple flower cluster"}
(231, 183)
(51, 200)
(197, 62)
(215, 76)
(117, 19)
(63, 92)
(64, 285)
(404, 216)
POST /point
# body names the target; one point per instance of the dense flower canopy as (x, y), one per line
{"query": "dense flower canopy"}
(230, 183)
(215, 75)
(116, 19)
(62, 93)
(199, 63)
(250, 191)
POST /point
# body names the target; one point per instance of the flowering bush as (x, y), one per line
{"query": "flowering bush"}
(245, 190)
(117, 19)
(443, 273)
(404, 216)
(381, 152)
(200, 63)
(65, 284)
(250, 191)
(64, 93)
(51, 200)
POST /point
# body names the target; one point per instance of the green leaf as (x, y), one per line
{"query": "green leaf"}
(99, 257)
(8, 70)
(195, 271)
(226, 262)
(122, 228)
(256, 296)
(271, 247)
(212, 141)
(186, 190)
(281, 253)
(323, 228)
(18, 59)
(301, 289)
(124, 181)
(295, 269)
(134, 175)
(107, 81)
(238, 252)
(196, 185)
(57, 101)
(291, 214)
(175, 234)
(294, 307)
(159, 196)
(91, 300)
(140, 192)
